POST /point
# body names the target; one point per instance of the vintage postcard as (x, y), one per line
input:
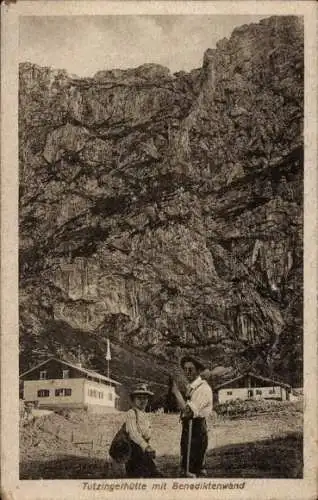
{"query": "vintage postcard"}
(158, 285)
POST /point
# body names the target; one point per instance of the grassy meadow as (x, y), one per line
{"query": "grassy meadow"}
(74, 445)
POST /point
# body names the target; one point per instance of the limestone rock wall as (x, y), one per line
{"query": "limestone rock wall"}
(167, 209)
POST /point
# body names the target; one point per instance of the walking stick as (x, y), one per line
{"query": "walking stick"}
(189, 447)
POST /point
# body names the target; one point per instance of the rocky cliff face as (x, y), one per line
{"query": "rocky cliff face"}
(166, 210)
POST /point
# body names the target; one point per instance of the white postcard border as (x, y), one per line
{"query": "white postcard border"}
(302, 489)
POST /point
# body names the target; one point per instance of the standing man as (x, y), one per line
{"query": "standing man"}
(195, 408)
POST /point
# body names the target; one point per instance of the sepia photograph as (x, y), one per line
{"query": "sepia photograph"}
(161, 210)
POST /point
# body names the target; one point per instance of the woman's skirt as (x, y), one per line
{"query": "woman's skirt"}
(140, 464)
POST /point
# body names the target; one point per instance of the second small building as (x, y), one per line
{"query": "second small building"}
(252, 386)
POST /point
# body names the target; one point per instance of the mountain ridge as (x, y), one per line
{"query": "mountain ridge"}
(166, 210)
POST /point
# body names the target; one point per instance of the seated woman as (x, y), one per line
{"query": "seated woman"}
(138, 427)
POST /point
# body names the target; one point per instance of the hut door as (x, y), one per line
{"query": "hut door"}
(250, 393)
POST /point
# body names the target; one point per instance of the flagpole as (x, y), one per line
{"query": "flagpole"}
(108, 357)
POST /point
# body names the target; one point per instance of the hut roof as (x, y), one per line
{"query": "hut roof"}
(85, 371)
(255, 376)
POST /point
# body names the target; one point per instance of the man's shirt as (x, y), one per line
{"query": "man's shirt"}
(200, 398)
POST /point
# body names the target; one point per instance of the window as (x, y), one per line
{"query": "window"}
(43, 375)
(63, 392)
(258, 391)
(43, 393)
(110, 396)
(66, 374)
(272, 391)
(229, 393)
(93, 393)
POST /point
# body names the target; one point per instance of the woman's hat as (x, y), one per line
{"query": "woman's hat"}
(190, 359)
(141, 389)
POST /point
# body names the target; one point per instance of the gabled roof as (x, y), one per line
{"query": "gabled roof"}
(89, 373)
(253, 375)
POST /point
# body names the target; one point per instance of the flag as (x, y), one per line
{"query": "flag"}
(108, 355)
